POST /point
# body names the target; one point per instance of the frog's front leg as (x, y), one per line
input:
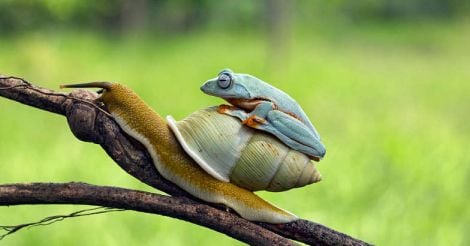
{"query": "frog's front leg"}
(258, 115)
(252, 119)
(233, 111)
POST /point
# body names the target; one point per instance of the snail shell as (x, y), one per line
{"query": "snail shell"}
(234, 153)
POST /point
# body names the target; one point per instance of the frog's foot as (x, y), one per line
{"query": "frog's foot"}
(254, 121)
(225, 109)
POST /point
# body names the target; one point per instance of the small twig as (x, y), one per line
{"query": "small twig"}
(11, 87)
(29, 86)
(56, 218)
(17, 78)
(92, 104)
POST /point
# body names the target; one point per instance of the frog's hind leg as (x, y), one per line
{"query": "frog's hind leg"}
(294, 133)
(289, 141)
(291, 131)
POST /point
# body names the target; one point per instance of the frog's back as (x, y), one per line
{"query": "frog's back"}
(285, 103)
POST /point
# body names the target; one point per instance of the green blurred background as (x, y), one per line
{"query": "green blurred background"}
(387, 84)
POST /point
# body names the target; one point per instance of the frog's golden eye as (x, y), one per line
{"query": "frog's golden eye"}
(225, 80)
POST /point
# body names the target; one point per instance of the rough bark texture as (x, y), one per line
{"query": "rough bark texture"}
(177, 207)
(90, 123)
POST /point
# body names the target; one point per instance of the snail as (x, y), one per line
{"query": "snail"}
(196, 154)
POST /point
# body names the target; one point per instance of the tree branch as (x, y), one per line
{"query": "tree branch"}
(90, 123)
(176, 207)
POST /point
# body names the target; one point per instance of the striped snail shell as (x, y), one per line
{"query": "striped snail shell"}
(232, 152)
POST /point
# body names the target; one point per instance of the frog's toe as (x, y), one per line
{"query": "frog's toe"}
(254, 121)
(225, 109)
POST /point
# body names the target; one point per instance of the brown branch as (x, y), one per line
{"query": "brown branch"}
(89, 123)
(176, 207)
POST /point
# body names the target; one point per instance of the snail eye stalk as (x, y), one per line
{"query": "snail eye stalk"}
(225, 80)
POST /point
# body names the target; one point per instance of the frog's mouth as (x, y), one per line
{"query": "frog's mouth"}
(246, 104)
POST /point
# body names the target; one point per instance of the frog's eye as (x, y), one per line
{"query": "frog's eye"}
(225, 80)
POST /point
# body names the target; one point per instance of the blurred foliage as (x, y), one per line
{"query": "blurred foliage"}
(385, 82)
(184, 15)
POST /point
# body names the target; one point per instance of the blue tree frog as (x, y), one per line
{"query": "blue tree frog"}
(261, 106)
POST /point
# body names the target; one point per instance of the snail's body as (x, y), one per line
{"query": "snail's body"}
(138, 120)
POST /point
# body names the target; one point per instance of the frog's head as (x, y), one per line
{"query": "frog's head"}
(229, 85)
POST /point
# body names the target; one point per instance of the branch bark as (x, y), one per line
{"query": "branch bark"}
(90, 123)
(177, 207)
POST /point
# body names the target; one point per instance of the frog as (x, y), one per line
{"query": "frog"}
(261, 106)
